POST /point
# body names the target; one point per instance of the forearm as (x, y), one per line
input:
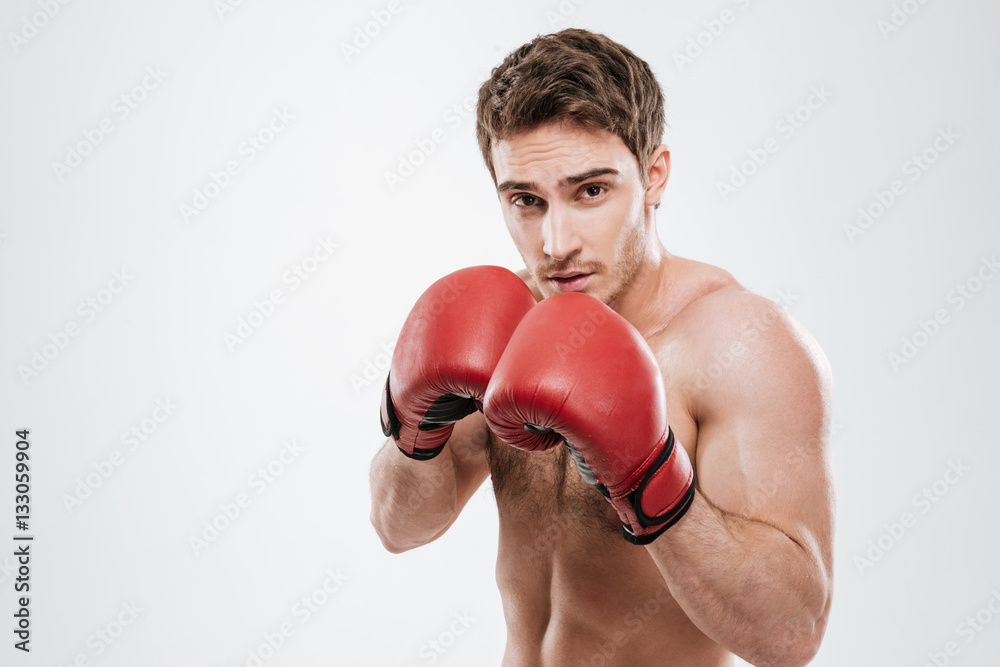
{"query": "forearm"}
(746, 584)
(413, 502)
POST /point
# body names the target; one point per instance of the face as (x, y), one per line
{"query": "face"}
(575, 207)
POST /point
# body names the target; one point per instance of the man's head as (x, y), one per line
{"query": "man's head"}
(572, 75)
(570, 127)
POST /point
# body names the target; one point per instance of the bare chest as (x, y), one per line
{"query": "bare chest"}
(544, 490)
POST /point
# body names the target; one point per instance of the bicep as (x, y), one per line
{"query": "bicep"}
(763, 450)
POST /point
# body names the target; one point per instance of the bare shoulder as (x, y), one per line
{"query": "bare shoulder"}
(759, 389)
(738, 346)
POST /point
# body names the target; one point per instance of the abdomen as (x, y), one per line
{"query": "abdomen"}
(574, 591)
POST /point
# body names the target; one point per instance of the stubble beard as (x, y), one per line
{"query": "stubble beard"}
(633, 250)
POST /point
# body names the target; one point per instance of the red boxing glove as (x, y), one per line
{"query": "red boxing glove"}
(445, 354)
(576, 371)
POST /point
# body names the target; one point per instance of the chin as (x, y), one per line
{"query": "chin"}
(599, 294)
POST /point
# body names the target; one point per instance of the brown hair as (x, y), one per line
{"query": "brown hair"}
(574, 75)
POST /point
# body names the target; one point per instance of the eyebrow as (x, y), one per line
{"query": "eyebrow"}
(569, 180)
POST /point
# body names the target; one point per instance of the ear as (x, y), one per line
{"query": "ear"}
(657, 174)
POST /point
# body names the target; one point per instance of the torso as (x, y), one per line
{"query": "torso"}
(574, 591)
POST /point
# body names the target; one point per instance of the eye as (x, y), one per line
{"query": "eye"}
(524, 200)
(593, 191)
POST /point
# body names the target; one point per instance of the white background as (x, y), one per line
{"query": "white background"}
(301, 374)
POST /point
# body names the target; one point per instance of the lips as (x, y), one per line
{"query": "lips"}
(569, 281)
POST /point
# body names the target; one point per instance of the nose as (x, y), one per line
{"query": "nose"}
(559, 236)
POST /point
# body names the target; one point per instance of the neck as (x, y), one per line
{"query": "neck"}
(642, 303)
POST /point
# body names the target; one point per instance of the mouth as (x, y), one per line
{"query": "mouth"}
(570, 281)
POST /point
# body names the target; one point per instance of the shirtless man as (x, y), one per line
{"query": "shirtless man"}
(734, 553)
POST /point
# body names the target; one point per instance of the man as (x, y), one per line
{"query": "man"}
(627, 392)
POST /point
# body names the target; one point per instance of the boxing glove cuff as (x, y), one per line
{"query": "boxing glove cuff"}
(390, 427)
(662, 497)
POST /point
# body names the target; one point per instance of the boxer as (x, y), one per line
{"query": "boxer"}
(655, 434)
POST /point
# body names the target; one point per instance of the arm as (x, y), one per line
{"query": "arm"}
(415, 502)
(751, 561)
(446, 351)
(747, 551)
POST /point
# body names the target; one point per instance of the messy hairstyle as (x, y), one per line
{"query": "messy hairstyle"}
(573, 75)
